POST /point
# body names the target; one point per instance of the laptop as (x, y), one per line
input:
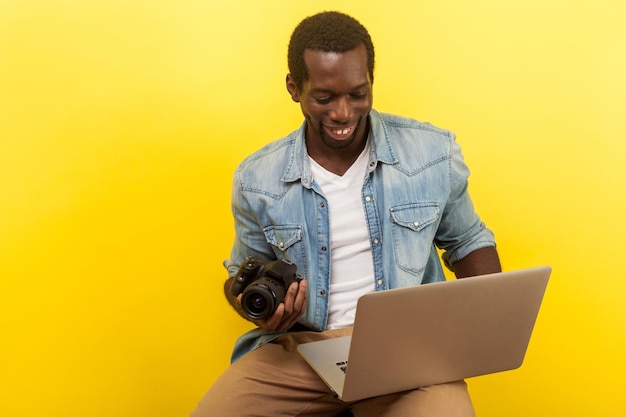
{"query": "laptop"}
(431, 334)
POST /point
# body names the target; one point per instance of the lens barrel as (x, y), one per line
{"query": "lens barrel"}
(261, 298)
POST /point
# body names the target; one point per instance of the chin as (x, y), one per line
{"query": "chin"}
(338, 144)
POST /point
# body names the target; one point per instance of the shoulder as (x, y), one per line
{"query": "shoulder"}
(411, 145)
(410, 126)
(273, 151)
(268, 169)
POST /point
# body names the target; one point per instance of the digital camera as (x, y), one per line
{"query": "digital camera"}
(263, 284)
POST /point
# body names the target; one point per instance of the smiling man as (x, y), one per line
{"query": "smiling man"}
(359, 201)
(336, 100)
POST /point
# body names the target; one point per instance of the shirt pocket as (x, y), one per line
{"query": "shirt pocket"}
(413, 229)
(286, 241)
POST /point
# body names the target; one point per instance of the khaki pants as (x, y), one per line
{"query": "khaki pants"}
(274, 381)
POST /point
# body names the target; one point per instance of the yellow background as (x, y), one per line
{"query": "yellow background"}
(121, 123)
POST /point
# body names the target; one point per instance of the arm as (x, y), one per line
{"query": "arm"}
(287, 313)
(479, 262)
(469, 247)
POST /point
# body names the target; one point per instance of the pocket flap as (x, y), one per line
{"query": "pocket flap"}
(284, 236)
(415, 216)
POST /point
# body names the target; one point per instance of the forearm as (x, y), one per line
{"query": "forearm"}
(481, 261)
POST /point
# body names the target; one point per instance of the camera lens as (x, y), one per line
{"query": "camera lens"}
(258, 302)
(261, 298)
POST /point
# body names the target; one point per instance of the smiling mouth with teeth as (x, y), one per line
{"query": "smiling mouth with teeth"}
(344, 131)
(341, 132)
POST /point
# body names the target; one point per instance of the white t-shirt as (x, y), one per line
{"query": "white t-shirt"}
(352, 267)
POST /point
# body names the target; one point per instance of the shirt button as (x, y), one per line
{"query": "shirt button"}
(380, 282)
(323, 292)
(376, 241)
(322, 205)
(324, 248)
(416, 223)
(368, 198)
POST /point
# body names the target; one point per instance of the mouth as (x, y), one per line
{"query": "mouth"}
(340, 133)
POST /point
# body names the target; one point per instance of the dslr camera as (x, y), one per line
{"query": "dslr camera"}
(263, 284)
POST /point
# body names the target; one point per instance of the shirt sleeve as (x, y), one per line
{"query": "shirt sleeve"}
(249, 234)
(461, 230)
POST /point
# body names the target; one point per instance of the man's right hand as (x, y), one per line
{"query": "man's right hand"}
(287, 313)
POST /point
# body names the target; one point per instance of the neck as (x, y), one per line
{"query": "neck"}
(337, 160)
(337, 166)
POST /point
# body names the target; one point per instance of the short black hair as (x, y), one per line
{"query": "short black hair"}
(328, 32)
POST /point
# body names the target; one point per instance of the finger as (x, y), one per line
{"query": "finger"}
(297, 308)
(301, 297)
(290, 297)
(274, 322)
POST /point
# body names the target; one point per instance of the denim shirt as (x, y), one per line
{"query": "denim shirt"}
(415, 198)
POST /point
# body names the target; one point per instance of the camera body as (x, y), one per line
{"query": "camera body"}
(263, 285)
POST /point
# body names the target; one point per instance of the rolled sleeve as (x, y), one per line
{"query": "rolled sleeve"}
(461, 230)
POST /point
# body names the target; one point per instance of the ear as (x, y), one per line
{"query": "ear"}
(292, 88)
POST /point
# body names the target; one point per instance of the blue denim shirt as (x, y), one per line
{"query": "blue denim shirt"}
(415, 198)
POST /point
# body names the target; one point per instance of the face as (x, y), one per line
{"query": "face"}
(335, 100)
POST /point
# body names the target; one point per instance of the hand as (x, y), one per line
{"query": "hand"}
(288, 312)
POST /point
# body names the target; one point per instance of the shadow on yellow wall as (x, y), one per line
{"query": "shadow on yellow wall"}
(121, 124)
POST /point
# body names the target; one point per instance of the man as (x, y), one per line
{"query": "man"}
(359, 201)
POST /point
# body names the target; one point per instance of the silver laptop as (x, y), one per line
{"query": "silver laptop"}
(431, 334)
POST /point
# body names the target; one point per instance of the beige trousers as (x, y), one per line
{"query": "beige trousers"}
(274, 381)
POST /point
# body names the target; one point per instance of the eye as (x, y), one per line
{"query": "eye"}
(323, 100)
(358, 96)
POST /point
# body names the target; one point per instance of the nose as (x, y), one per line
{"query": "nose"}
(341, 111)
